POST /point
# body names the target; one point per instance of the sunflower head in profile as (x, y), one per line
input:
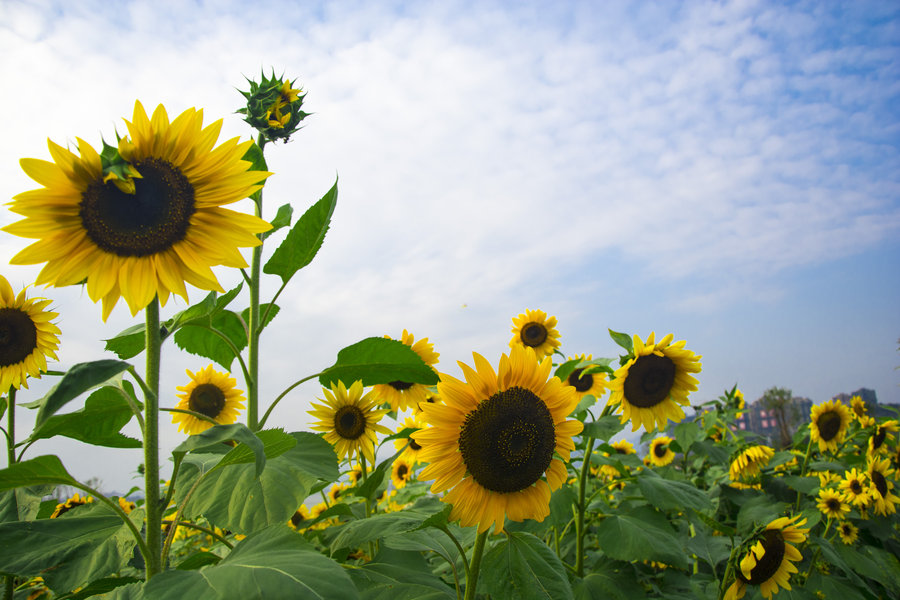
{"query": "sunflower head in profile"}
(739, 403)
(770, 560)
(401, 472)
(586, 383)
(881, 489)
(148, 232)
(534, 329)
(211, 393)
(855, 486)
(69, 504)
(659, 453)
(402, 394)
(27, 337)
(879, 442)
(350, 420)
(410, 447)
(832, 504)
(848, 532)
(828, 424)
(748, 464)
(654, 384)
(499, 439)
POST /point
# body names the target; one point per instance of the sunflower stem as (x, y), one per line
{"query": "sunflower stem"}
(176, 520)
(11, 428)
(462, 554)
(812, 563)
(151, 442)
(475, 565)
(729, 568)
(253, 333)
(579, 522)
(262, 421)
(803, 471)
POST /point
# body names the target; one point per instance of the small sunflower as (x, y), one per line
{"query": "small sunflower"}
(740, 403)
(770, 560)
(882, 489)
(654, 384)
(848, 532)
(350, 420)
(621, 447)
(27, 337)
(411, 447)
(584, 384)
(300, 515)
(430, 398)
(335, 491)
(748, 463)
(832, 504)
(828, 424)
(401, 472)
(534, 329)
(69, 504)
(660, 454)
(168, 229)
(880, 441)
(355, 475)
(860, 413)
(855, 488)
(402, 394)
(126, 505)
(499, 440)
(209, 393)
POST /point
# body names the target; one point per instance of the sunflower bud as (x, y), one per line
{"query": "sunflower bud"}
(274, 107)
(117, 170)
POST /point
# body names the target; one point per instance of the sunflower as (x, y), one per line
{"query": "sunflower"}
(740, 403)
(410, 447)
(584, 384)
(355, 475)
(402, 394)
(430, 398)
(768, 564)
(499, 440)
(300, 515)
(881, 490)
(621, 447)
(748, 463)
(350, 420)
(855, 488)
(534, 329)
(860, 413)
(649, 388)
(209, 393)
(828, 424)
(848, 532)
(27, 337)
(401, 472)
(832, 504)
(335, 491)
(168, 229)
(880, 440)
(71, 503)
(126, 505)
(660, 454)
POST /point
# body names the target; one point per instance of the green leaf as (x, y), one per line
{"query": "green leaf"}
(523, 566)
(282, 219)
(622, 339)
(356, 533)
(70, 551)
(99, 423)
(129, 342)
(686, 433)
(712, 548)
(22, 504)
(873, 563)
(378, 360)
(606, 584)
(833, 587)
(668, 494)
(199, 340)
(221, 433)
(640, 534)
(262, 311)
(304, 239)
(233, 497)
(421, 540)
(197, 560)
(603, 428)
(102, 586)
(79, 379)
(805, 485)
(41, 470)
(272, 563)
(199, 311)
(758, 511)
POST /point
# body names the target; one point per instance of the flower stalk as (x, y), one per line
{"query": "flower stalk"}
(153, 560)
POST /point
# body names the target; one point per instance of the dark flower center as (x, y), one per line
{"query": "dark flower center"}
(533, 334)
(400, 385)
(660, 450)
(151, 220)
(649, 380)
(207, 399)
(297, 518)
(580, 382)
(768, 564)
(402, 472)
(880, 483)
(414, 445)
(829, 424)
(507, 442)
(856, 487)
(349, 422)
(878, 438)
(18, 336)
(833, 504)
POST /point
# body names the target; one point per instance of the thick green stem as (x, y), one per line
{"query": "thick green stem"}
(11, 427)
(579, 523)
(151, 443)
(803, 472)
(253, 333)
(475, 565)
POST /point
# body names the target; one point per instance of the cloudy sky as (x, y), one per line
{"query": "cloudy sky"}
(728, 172)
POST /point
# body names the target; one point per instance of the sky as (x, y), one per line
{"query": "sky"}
(728, 172)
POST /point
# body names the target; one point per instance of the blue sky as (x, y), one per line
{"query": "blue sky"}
(725, 171)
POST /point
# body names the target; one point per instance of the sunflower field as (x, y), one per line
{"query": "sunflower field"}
(530, 475)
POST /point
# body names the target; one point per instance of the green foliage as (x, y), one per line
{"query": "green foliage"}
(77, 380)
(105, 413)
(377, 360)
(524, 567)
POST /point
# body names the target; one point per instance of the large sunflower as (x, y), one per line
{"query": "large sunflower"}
(211, 393)
(828, 424)
(769, 564)
(654, 384)
(499, 440)
(584, 384)
(27, 337)
(882, 489)
(880, 441)
(402, 394)
(350, 420)
(747, 465)
(168, 229)
(659, 453)
(534, 329)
